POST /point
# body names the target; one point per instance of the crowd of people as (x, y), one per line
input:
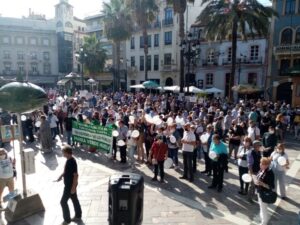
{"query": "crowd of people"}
(249, 134)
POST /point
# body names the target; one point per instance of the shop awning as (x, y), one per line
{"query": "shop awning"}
(63, 82)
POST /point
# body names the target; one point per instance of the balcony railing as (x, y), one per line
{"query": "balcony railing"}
(287, 49)
(247, 61)
(168, 22)
(210, 63)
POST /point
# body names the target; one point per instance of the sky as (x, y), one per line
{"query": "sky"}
(19, 8)
(82, 8)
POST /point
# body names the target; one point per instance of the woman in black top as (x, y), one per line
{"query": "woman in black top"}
(265, 181)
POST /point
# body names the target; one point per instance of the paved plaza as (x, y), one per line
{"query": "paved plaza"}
(176, 202)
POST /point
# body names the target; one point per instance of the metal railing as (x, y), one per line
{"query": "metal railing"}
(287, 49)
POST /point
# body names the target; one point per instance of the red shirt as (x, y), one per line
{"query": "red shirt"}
(159, 151)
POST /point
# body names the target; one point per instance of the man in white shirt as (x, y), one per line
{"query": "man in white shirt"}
(52, 119)
(253, 131)
(188, 143)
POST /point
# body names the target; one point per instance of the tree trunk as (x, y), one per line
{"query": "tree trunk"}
(181, 35)
(145, 37)
(233, 61)
(118, 50)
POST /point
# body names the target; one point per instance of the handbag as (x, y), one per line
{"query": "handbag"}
(268, 196)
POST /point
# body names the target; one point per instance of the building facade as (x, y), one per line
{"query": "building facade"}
(163, 60)
(28, 48)
(284, 52)
(41, 50)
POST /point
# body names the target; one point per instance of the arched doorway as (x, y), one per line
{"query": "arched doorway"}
(169, 81)
(284, 92)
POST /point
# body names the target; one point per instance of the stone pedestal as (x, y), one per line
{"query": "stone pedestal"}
(21, 207)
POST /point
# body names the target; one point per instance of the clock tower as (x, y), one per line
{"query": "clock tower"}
(65, 31)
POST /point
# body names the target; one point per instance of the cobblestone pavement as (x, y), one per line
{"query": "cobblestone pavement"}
(176, 202)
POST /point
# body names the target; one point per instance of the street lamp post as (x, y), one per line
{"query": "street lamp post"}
(190, 49)
(81, 55)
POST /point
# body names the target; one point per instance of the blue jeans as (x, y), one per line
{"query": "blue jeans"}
(53, 132)
(69, 137)
(188, 165)
(173, 154)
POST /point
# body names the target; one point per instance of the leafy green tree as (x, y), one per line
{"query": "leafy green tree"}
(118, 27)
(231, 19)
(92, 56)
(144, 13)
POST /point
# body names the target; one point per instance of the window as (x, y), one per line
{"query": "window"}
(69, 25)
(156, 40)
(156, 62)
(287, 36)
(33, 55)
(229, 54)
(6, 40)
(297, 62)
(46, 42)
(19, 40)
(21, 67)
(211, 56)
(284, 66)
(32, 41)
(297, 38)
(7, 66)
(141, 42)
(132, 61)
(209, 79)
(46, 55)
(6, 55)
(290, 6)
(200, 84)
(168, 59)
(149, 41)
(149, 63)
(252, 78)
(20, 55)
(142, 63)
(47, 69)
(168, 38)
(168, 14)
(254, 52)
(34, 68)
(132, 45)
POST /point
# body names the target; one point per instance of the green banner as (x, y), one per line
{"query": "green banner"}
(93, 135)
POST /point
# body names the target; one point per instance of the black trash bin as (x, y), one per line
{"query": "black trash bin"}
(126, 199)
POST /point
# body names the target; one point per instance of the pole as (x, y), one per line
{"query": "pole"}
(189, 62)
(181, 71)
(239, 72)
(22, 155)
(82, 84)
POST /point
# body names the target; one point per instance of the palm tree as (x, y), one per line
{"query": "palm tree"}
(118, 28)
(229, 19)
(144, 13)
(180, 8)
(92, 55)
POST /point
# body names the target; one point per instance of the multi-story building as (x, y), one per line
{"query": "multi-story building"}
(213, 67)
(28, 47)
(39, 49)
(95, 26)
(284, 52)
(163, 60)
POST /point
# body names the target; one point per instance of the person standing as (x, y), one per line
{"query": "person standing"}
(52, 119)
(45, 135)
(123, 130)
(68, 127)
(253, 159)
(243, 165)
(206, 140)
(188, 142)
(269, 141)
(235, 135)
(219, 163)
(279, 170)
(265, 181)
(159, 152)
(70, 176)
(6, 173)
